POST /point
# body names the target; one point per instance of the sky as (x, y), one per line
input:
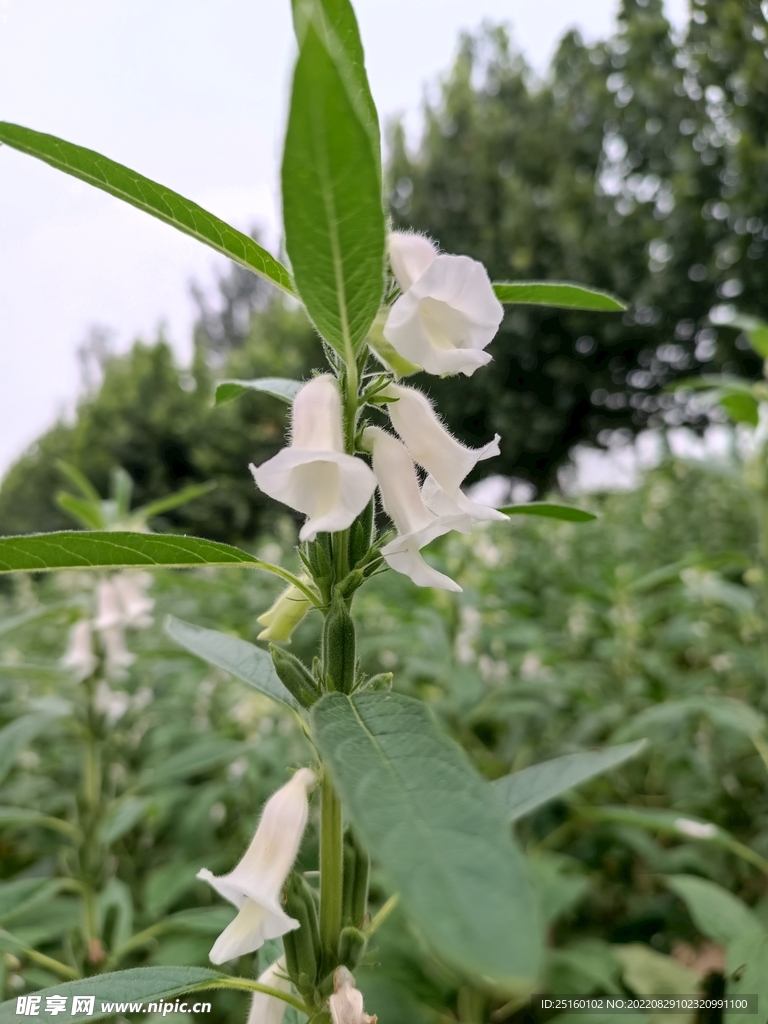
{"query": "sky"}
(192, 94)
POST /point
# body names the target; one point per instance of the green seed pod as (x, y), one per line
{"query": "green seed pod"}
(351, 947)
(360, 534)
(295, 676)
(355, 886)
(301, 946)
(339, 649)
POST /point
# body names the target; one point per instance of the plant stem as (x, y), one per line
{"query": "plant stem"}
(331, 867)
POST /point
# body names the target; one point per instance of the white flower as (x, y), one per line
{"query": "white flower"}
(118, 657)
(696, 829)
(282, 617)
(111, 703)
(79, 656)
(416, 524)
(447, 313)
(109, 607)
(445, 459)
(255, 885)
(267, 1009)
(346, 1003)
(313, 474)
(132, 592)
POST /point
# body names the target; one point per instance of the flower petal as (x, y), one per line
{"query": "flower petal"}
(267, 1009)
(443, 503)
(252, 927)
(410, 255)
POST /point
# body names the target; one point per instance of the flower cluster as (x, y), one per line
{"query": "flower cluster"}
(445, 316)
(122, 603)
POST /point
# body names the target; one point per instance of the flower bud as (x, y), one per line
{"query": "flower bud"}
(355, 886)
(361, 534)
(295, 676)
(255, 885)
(314, 474)
(267, 1009)
(339, 648)
(79, 656)
(346, 1003)
(285, 614)
(351, 946)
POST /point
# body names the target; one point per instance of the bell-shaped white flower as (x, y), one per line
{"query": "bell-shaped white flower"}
(268, 1009)
(111, 703)
(109, 607)
(255, 885)
(313, 474)
(118, 657)
(447, 312)
(346, 1003)
(79, 656)
(282, 617)
(136, 606)
(416, 524)
(437, 451)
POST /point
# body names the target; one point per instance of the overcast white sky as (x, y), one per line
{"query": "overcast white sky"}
(192, 94)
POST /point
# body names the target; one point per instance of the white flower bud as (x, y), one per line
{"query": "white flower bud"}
(282, 617)
(132, 589)
(346, 1003)
(416, 524)
(313, 474)
(118, 657)
(109, 607)
(255, 885)
(267, 1009)
(446, 460)
(447, 313)
(111, 703)
(79, 656)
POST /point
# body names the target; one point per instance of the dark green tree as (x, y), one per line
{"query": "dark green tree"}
(638, 166)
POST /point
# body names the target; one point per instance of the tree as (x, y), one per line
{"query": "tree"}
(639, 165)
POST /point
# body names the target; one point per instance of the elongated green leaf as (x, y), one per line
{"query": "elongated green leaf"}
(677, 823)
(86, 513)
(723, 711)
(201, 757)
(80, 480)
(545, 508)
(18, 734)
(156, 508)
(741, 408)
(246, 661)
(438, 831)
(140, 985)
(336, 22)
(708, 381)
(332, 202)
(149, 196)
(278, 387)
(524, 791)
(25, 816)
(121, 818)
(558, 294)
(82, 549)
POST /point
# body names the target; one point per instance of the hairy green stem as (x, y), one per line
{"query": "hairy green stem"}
(331, 868)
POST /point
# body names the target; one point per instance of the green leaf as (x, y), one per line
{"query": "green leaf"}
(80, 480)
(544, 508)
(80, 549)
(558, 294)
(246, 661)
(756, 330)
(121, 817)
(278, 387)
(726, 920)
(676, 823)
(140, 985)
(17, 735)
(20, 894)
(437, 830)
(201, 757)
(727, 712)
(25, 816)
(87, 513)
(156, 508)
(337, 24)
(149, 196)
(332, 201)
(741, 408)
(524, 791)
